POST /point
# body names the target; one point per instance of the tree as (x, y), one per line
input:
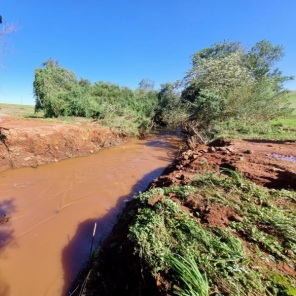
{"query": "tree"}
(261, 59)
(52, 85)
(226, 82)
(170, 109)
(218, 50)
(146, 84)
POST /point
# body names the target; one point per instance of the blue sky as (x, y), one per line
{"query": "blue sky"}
(125, 41)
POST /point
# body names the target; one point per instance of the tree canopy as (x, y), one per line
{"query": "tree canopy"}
(58, 92)
(226, 82)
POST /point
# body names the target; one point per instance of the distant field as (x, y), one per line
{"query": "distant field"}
(28, 111)
(14, 110)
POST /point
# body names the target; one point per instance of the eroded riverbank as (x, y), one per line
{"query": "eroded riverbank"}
(33, 142)
(51, 211)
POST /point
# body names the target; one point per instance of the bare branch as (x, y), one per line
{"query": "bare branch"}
(5, 30)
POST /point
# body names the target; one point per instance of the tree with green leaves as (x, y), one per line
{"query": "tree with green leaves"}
(52, 86)
(227, 82)
(59, 93)
(171, 110)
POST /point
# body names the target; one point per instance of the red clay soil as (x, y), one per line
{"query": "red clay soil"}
(33, 142)
(268, 163)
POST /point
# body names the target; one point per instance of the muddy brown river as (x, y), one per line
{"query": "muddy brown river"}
(51, 211)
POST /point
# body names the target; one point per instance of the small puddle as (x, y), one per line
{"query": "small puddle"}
(283, 157)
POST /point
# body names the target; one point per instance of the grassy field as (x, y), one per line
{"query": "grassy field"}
(15, 110)
(28, 111)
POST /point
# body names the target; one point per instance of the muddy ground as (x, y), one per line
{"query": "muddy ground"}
(268, 163)
(33, 142)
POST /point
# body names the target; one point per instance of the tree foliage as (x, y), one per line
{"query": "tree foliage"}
(58, 92)
(227, 82)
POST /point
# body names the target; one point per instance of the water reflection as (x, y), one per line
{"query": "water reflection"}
(283, 157)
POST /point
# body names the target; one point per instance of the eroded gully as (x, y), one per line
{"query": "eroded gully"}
(51, 212)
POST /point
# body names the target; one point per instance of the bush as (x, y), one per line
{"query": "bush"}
(59, 93)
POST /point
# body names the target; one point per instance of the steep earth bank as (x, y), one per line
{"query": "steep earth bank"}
(33, 142)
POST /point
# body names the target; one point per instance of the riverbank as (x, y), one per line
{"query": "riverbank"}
(238, 226)
(31, 142)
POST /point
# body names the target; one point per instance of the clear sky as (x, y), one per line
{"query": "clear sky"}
(125, 41)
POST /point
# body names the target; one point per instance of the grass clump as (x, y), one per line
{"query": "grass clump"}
(182, 248)
(194, 283)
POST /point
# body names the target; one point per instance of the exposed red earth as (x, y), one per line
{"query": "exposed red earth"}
(33, 142)
(268, 163)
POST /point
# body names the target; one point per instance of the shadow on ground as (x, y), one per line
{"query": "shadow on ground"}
(284, 180)
(6, 232)
(7, 208)
(76, 254)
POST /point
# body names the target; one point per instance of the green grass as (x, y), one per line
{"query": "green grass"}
(192, 281)
(279, 129)
(292, 100)
(164, 234)
(282, 128)
(289, 122)
(16, 110)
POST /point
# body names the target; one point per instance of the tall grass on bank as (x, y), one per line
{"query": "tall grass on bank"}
(189, 277)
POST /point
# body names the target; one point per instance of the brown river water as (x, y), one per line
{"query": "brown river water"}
(52, 210)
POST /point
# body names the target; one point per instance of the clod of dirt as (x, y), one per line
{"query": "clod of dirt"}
(4, 219)
(220, 142)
